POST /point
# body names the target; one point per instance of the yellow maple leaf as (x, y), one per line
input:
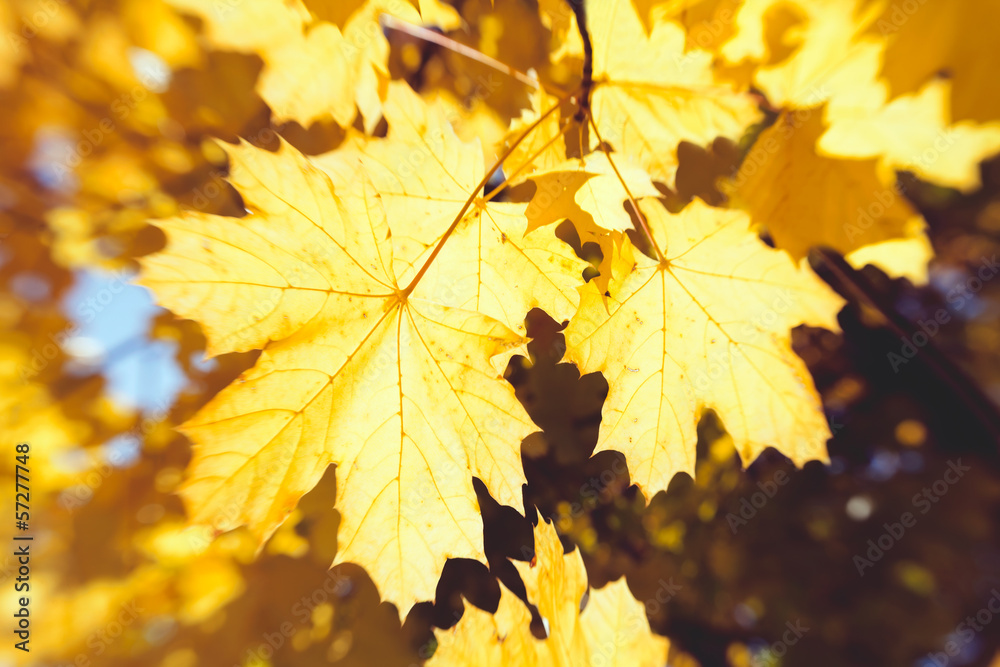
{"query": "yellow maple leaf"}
(543, 148)
(906, 257)
(650, 94)
(805, 199)
(837, 51)
(314, 68)
(612, 630)
(822, 52)
(957, 37)
(818, 61)
(914, 132)
(592, 194)
(589, 192)
(708, 23)
(557, 16)
(708, 327)
(403, 393)
(424, 175)
(617, 630)
(828, 55)
(386, 291)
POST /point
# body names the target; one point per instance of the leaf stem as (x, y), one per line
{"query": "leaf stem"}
(392, 23)
(472, 197)
(580, 9)
(635, 207)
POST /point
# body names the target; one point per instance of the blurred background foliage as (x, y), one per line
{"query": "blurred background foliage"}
(96, 378)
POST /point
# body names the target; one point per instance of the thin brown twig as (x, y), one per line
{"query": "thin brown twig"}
(587, 82)
(392, 23)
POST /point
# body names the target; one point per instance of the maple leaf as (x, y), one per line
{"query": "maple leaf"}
(650, 95)
(805, 199)
(424, 175)
(826, 58)
(387, 290)
(590, 192)
(544, 148)
(561, 21)
(836, 60)
(797, 181)
(707, 327)
(398, 390)
(952, 37)
(807, 52)
(612, 630)
(905, 257)
(594, 194)
(315, 68)
(818, 63)
(914, 133)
